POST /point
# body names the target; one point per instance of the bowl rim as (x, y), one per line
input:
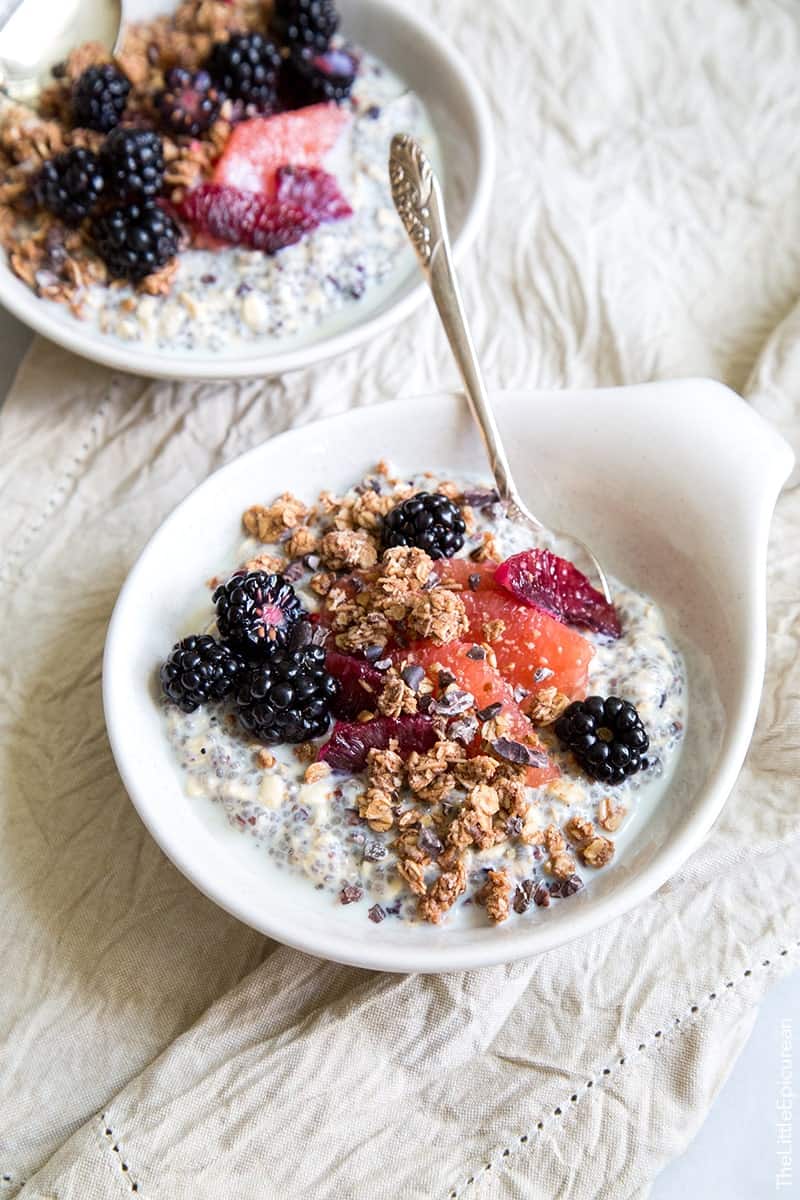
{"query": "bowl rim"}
(342, 946)
(35, 312)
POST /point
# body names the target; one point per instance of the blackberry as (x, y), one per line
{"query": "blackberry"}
(136, 240)
(288, 697)
(246, 67)
(606, 736)
(257, 612)
(70, 185)
(305, 24)
(190, 104)
(311, 78)
(198, 670)
(99, 98)
(133, 163)
(427, 520)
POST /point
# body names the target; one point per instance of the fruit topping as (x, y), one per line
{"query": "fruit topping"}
(607, 737)
(533, 650)
(133, 163)
(198, 670)
(246, 68)
(305, 198)
(99, 98)
(257, 612)
(243, 218)
(429, 521)
(543, 580)
(457, 672)
(351, 741)
(313, 191)
(305, 23)
(288, 697)
(136, 240)
(360, 684)
(313, 77)
(70, 185)
(189, 104)
(257, 148)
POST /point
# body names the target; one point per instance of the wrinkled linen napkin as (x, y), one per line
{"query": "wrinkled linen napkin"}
(645, 225)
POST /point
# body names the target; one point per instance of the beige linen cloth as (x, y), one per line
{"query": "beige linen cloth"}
(645, 225)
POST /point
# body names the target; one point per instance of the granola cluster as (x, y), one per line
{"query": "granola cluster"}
(469, 792)
(56, 262)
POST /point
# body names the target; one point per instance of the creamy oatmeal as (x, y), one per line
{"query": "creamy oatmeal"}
(459, 802)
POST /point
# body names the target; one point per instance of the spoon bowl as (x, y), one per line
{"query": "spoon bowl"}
(40, 33)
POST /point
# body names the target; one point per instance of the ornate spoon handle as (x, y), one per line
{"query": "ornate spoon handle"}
(418, 199)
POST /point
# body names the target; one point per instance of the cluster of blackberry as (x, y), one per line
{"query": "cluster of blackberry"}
(117, 188)
(266, 661)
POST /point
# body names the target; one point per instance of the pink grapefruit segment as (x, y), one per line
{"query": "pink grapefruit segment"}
(487, 686)
(258, 147)
(533, 649)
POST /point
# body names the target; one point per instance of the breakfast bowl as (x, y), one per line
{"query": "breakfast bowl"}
(679, 507)
(346, 281)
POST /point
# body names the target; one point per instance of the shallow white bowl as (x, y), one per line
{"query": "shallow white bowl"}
(427, 62)
(673, 484)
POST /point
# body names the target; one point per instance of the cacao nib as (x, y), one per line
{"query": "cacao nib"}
(518, 753)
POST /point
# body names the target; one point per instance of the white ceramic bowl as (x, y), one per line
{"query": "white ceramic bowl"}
(460, 117)
(672, 484)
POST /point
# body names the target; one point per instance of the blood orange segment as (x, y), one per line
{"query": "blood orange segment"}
(258, 147)
(542, 580)
(349, 745)
(532, 648)
(487, 686)
(360, 685)
(304, 197)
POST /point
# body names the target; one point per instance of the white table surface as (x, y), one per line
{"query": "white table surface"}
(734, 1154)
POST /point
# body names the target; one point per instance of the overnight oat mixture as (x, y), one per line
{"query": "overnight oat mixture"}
(401, 700)
(223, 178)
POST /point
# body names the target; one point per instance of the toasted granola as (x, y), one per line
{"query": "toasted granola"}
(442, 894)
(385, 769)
(495, 896)
(345, 549)
(302, 542)
(282, 516)
(598, 852)
(438, 615)
(273, 564)
(375, 805)
(397, 697)
(546, 706)
(414, 875)
(610, 815)
(579, 830)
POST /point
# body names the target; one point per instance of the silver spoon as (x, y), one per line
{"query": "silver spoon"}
(37, 34)
(418, 199)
